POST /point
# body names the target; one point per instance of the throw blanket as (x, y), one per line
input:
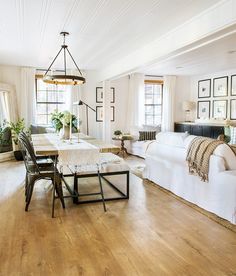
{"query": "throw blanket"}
(198, 155)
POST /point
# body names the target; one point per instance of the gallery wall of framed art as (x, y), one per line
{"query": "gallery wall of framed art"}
(99, 107)
(217, 97)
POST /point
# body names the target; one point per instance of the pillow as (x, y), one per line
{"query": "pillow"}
(227, 134)
(175, 139)
(147, 135)
(232, 135)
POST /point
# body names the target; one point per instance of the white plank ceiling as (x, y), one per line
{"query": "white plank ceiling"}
(102, 31)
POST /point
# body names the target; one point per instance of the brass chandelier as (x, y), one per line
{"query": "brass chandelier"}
(63, 78)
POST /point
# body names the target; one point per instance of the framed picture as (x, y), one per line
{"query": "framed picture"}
(99, 94)
(220, 87)
(220, 109)
(204, 88)
(233, 85)
(233, 109)
(99, 113)
(203, 109)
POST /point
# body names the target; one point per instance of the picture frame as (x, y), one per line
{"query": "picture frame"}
(203, 109)
(220, 87)
(99, 94)
(219, 109)
(233, 85)
(204, 88)
(99, 113)
(233, 109)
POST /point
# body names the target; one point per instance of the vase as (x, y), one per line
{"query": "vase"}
(65, 133)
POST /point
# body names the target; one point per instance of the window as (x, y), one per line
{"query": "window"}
(153, 102)
(49, 98)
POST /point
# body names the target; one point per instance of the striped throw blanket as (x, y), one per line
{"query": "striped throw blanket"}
(198, 155)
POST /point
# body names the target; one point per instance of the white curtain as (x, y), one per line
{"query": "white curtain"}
(8, 102)
(168, 103)
(135, 108)
(27, 101)
(4, 107)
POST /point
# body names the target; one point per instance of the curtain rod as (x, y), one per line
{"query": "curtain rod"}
(153, 76)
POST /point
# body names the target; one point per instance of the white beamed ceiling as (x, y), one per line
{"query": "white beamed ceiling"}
(102, 31)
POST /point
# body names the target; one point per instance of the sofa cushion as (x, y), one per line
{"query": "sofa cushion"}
(147, 135)
(174, 139)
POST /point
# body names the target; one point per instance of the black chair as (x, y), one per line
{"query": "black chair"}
(42, 161)
(35, 172)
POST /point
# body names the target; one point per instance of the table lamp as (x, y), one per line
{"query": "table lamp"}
(187, 107)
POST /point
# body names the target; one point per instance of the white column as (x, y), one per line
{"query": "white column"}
(106, 133)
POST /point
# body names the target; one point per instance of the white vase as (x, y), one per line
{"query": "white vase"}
(65, 133)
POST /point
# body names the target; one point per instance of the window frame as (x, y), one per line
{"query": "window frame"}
(153, 82)
(47, 103)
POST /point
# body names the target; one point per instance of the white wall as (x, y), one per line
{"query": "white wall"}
(182, 93)
(194, 89)
(88, 95)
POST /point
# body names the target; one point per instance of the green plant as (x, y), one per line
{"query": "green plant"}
(59, 119)
(2, 128)
(16, 128)
(117, 132)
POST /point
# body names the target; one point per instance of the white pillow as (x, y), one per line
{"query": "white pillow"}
(232, 135)
(175, 139)
(225, 152)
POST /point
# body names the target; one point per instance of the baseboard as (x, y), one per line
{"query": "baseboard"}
(6, 156)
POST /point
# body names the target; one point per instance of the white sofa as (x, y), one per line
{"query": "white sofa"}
(137, 147)
(166, 165)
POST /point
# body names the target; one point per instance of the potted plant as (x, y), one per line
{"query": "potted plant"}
(61, 122)
(5, 138)
(16, 128)
(117, 133)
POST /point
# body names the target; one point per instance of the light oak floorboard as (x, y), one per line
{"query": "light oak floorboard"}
(152, 233)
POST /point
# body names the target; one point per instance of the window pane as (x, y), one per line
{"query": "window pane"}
(157, 110)
(61, 107)
(42, 120)
(61, 96)
(41, 85)
(149, 120)
(149, 110)
(41, 96)
(42, 108)
(52, 108)
(153, 103)
(52, 96)
(157, 120)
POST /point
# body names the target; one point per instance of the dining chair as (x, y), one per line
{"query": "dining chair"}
(35, 172)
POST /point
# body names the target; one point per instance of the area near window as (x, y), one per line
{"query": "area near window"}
(153, 102)
(49, 98)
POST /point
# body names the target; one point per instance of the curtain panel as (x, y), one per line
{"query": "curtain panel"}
(135, 107)
(27, 101)
(168, 103)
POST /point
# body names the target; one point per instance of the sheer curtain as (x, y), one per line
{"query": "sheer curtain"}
(4, 107)
(168, 103)
(135, 108)
(8, 103)
(27, 101)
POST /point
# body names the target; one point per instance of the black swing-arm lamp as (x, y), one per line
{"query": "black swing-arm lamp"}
(87, 106)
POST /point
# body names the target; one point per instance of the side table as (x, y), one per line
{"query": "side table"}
(122, 140)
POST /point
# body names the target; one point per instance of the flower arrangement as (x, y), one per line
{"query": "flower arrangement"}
(60, 119)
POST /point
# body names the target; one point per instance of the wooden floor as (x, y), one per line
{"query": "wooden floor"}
(151, 234)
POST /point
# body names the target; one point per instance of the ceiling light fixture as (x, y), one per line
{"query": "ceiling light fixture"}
(63, 78)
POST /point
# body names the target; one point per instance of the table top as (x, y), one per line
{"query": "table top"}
(51, 144)
(124, 138)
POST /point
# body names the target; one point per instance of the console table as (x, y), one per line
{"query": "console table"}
(206, 130)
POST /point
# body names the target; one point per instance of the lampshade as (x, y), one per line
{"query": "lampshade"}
(187, 105)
